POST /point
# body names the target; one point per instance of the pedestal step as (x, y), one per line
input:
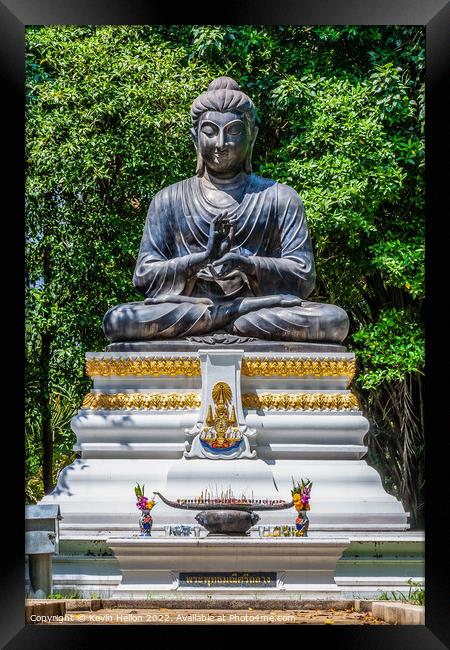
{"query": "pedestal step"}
(370, 564)
(226, 563)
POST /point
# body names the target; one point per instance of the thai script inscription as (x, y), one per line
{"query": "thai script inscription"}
(234, 579)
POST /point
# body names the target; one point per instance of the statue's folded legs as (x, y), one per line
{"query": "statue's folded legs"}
(310, 321)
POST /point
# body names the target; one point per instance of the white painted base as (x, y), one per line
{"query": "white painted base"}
(298, 563)
(371, 564)
(347, 494)
(120, 448)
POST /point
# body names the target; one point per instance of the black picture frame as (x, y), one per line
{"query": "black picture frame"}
(14, 16)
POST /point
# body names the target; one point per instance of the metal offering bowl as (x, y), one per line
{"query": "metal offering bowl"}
(227, 522)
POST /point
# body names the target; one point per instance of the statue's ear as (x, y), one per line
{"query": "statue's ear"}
(255, 134)
(248, 160)
(200, 164)
(194, 137)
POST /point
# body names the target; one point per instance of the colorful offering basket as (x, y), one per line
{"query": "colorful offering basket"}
(144, 504)
(301, 494)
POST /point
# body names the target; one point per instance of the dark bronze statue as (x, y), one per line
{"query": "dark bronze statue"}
(225, 250)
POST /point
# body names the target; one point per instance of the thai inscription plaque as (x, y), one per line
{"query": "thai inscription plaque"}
(228, 579)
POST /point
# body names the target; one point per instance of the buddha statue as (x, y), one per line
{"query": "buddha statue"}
(225, 250)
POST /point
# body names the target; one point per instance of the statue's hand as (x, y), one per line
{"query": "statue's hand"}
(220, 240)
(290, 301)
(232, 262)
(196, 300)
(221, 234)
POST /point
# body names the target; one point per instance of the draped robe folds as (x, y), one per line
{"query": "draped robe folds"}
(270, 228)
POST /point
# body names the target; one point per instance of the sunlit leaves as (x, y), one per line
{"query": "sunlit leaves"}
(390, 348)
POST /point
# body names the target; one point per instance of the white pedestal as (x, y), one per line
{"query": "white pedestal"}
(134, 428)
(372, 563)
(297, 564)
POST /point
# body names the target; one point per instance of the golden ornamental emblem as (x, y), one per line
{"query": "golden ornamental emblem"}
(221, 431)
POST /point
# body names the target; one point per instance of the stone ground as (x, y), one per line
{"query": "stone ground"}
(164, 616)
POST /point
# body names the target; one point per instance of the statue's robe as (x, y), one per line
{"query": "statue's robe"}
(271, 228)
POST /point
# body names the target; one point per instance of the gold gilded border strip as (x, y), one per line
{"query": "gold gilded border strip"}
(283, 367)
(186, 401)
(301, 401)
(152, 401)
(139, 367)
(251, 367)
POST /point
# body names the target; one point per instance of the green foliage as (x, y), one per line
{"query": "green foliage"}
(58, 595)
(64, 403)
(299, 488)
(415, 595)
(402, 263)
(340, 111)
(139, 490)
(389, 348)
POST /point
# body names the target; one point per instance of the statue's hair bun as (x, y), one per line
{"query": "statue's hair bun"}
(223, 83)
(223, 95)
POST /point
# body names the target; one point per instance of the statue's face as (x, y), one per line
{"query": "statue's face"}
(223, 141)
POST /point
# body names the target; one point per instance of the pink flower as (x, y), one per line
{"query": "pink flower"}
(142, 503)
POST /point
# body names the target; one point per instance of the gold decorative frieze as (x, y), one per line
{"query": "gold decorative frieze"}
(190, 401)
(301, 401)
(143, 366)
(151, 401)
(294, 367)
(251, 367)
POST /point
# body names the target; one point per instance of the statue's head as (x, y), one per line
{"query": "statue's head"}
(224, 130)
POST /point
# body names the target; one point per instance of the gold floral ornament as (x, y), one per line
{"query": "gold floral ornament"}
(143, 366)
(282, 367)
(301, 401)
(186, 401)
(138, 401)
